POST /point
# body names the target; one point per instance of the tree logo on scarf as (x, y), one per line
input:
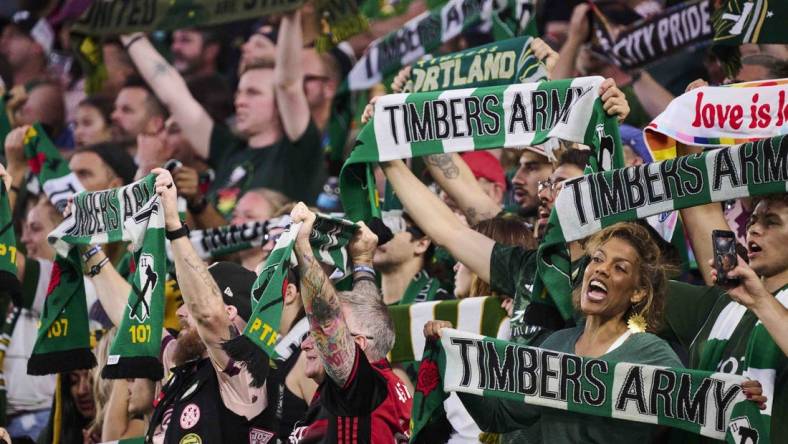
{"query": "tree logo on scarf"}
(140, 310)
(741, 431)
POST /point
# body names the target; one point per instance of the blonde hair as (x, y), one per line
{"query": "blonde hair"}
(651, 268)
(102, 388)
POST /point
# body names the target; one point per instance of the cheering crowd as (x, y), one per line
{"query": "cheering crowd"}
(449, 226)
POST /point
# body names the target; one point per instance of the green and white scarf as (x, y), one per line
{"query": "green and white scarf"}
(512, 116)
(426, 32)
(657, 36)
(706, 403)
(720, 115)
(737, 22)
(498, 63)
(9, 283)
(481, 315)
(592, 202)
(215, 242)
(131, 213)
(50, 168)
(762, 356)
(257, 344)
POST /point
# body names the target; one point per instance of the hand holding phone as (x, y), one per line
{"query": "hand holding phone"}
(725, 257)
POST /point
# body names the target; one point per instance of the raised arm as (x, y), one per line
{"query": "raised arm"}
(457, 180)
(471, 248)
(362, 254)
(290, 98)
(171, 89)
(321, 303)
(117, 422)
(200, 292)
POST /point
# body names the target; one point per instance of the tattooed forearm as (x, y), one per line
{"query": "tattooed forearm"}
(160, 68)
(200, 293)
(445, 164)
(323, 309)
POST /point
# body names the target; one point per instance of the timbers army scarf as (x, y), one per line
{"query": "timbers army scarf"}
(737, 22)
(701, 402)
(499, 63)
(130, 213)
(257, 344)
(426, 32)
(720, 115)
(762, 357)
(658, 36)
(511, 116)
(592, 202)
(481, 315)
(50, 169)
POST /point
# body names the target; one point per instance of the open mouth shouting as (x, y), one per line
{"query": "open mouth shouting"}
(753, 250)
(597, 291)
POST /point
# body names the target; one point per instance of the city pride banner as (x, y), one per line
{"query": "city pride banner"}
(705, 403)
(657, 36)
(712, 116)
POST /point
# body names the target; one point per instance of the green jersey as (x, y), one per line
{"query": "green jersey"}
(294, 168)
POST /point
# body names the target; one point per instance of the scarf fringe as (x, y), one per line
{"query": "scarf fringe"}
(254, 358)
(61, 362)
(134, 367)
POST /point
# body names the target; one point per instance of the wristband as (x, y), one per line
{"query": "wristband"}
(96, 269)
(364, 269)
(175, 234)
(90, 253)
(136, 37)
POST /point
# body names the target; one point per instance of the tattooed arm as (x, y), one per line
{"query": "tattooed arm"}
(171, 89)
(456, 179)
(321, 303)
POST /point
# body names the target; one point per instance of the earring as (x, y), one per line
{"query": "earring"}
(637, 323)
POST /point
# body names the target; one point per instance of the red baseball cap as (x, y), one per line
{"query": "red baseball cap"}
(484, 164)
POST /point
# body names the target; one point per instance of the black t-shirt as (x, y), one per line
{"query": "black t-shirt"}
(294, 168)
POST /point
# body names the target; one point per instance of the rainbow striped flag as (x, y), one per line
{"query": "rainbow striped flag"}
(714, 116)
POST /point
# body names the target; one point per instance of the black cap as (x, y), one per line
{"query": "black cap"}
(235, 283)
(116, 157)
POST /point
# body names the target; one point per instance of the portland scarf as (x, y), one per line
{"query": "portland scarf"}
(481, 315)
(658, 36)
(720, 115)
(50, 169)
(706, 403)
(592, 202)
(762, 356)
(328, 239)
(737, 22)
(130, 213)
(426, 32)
(513, 116)
(499, 63)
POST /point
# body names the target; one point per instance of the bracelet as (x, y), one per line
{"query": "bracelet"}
(198, 207)
(135, 38)
(90, 253)
(364, 269)
(96, 269)
(175, 234)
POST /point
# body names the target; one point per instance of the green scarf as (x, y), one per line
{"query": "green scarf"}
(215, 242)
(737, 22)
(481, 315)
(130, 213)
(511, 116)
(50, 169)
(9, 284)
(426, 32)
(706, 403)
(422, 288)
(653, 38)
(595, 201)
(257, 344)
(498, 63)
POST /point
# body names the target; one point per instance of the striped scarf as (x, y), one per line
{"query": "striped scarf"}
(720, 115)
(706, 403)
(592, 202)
(50, 170)
(481, 315)
(512, 116)
(258, 343)
(131, 213)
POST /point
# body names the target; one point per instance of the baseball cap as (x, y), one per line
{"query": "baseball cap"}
(235, 283)
(485, 165)
(37, 28)
(634, 138)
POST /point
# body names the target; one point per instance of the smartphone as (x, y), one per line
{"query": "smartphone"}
(725, 257)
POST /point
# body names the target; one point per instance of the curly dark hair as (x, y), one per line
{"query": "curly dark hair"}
(652, 269)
